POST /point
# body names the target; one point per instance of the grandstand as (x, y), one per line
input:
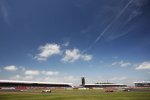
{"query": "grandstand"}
(142, 84)
(100, 85)
(11, 84)
(103, 85)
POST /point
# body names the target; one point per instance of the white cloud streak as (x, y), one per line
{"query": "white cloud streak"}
(121, 64)
(4, 11)
(109, 25)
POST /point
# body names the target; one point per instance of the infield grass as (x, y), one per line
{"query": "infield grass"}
(75, 95)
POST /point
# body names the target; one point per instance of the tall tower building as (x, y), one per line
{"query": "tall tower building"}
(83, 81)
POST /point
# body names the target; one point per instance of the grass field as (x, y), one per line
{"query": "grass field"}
(75, 95)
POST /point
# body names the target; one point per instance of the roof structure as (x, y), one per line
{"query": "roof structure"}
(104, 84)
(32, 82)
(142, 82)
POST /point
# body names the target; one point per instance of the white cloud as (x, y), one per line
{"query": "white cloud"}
(69, 55)
(125, 64)
(49, 73)
(32, 72)
(47, 51)
(143, 66)
(25, 74)
(10, 68)
(59, 78)
(121, 64)
(38, 72)
(43, 78)
(36, 75)
(73, 55)
(87, 57)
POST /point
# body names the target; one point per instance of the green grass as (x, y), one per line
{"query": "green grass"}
(75, 95)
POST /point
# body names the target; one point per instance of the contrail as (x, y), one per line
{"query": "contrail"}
(108, 26)
(4, 11)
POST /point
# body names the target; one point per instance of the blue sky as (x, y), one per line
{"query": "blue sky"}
(63, 40)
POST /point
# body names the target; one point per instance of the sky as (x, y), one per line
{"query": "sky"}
(64, 40)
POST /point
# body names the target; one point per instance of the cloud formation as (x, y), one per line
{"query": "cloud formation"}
(121, 64)
(22, 73)
(10, 68)
(47, 51)
(69, 55)
(86, 57)
(38, 75)
(32, 72)
(74, 54)
(38, 72)
(143, 66)
(50, 73)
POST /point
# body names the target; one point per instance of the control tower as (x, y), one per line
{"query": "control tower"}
(83, 81)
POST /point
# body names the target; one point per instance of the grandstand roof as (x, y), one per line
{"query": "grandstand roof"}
(142, 82)
(104, 84)
(31, 82)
